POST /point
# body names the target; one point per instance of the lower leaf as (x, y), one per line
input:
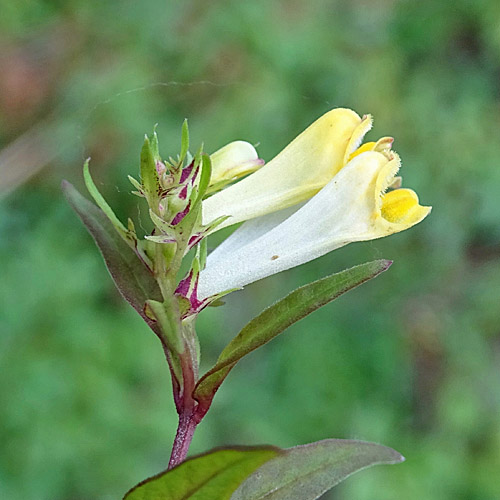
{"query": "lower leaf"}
(306, 472)
(278, 317)
(265, 472)
(211, 476)
(133, 280)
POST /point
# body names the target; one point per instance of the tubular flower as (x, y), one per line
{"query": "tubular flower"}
(358, 203)
(307, 164)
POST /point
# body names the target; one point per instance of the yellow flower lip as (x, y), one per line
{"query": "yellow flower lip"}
(399, 207)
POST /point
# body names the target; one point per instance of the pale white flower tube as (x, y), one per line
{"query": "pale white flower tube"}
(351, 207)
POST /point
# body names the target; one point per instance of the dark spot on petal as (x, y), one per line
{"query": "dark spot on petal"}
(274, 257)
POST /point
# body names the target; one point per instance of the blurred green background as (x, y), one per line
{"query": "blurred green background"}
(410, 359)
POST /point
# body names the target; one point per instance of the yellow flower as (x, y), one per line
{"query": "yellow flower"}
(350, 202)
(297, 173)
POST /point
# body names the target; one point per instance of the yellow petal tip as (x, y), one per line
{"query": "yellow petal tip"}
(401, 206)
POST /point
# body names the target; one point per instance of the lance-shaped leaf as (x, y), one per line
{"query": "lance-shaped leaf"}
(278, 317)
(206, 174)
(184, 142)
(132, 278)
(103, 204)
(149, 175)
(306, 472)
(137, 185)
(211, 476)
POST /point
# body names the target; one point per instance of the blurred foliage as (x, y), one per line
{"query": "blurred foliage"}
(409, 360)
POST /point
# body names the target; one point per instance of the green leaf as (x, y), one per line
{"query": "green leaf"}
(149, 176)
(306, 472)
(155, 147)
(264, 472)
(133, 279)
(135, 183)
(101, 202)
(161, 238)
(203, 245)
(278, 317)
(161, 224)
(206, 173)
(211, 476)
(184, 141)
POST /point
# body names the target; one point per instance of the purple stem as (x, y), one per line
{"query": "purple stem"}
(183, 438)
(187, 409)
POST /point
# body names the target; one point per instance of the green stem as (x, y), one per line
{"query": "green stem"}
(185, 404)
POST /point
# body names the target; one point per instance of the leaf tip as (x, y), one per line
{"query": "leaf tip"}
(393, 456)
(386, 264)
(67, 188)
